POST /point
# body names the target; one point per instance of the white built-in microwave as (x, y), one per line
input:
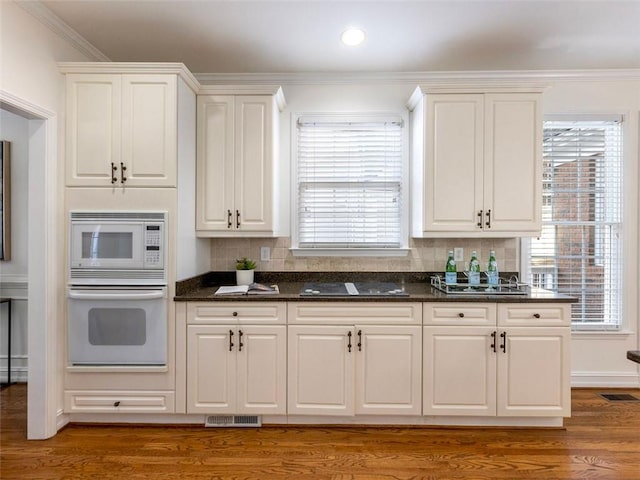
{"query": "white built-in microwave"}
(117, 248)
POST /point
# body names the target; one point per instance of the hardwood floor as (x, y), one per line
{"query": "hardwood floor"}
(601, 441)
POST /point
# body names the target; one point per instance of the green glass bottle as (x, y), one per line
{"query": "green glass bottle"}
(450, 275)
(474, 269)
(492, 270)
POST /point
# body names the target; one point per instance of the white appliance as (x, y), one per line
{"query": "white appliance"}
(117, 297)
(114, 326)
(117, 248)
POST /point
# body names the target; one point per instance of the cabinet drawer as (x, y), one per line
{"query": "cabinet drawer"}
(345, 313)
(77, 401)
(534, 314)
(459, 313)
(236, 313)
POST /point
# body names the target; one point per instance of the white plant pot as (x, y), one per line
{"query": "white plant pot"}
(244, 277)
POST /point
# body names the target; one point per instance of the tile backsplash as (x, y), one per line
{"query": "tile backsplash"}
(426, 255)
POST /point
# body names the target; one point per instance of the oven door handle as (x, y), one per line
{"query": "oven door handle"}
(120, 295)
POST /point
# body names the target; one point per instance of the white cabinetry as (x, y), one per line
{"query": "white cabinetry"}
(497, 368)
(237, 159)
(361, 359)
(113, 401)
(476, 161)
(236, 358)
(121, 129)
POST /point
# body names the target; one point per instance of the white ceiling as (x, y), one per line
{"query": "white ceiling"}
(301, 36)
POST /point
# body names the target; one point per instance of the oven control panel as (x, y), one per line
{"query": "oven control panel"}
(153, 245)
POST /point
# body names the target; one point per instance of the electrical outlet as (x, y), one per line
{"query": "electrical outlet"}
(458, 254)
(265, 254)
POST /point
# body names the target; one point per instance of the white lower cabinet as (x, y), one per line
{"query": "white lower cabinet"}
(236, 369)
(459, 371)
(321, 370)
(236, 358)
(533, 372)
(364, 359)
(361, 370)
(388, 370)
(498, 370)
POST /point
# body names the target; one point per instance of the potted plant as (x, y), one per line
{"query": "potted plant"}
(244, 271)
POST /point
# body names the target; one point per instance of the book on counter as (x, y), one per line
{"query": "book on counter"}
(252, 289)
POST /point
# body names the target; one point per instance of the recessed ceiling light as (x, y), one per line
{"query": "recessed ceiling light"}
(353, 36)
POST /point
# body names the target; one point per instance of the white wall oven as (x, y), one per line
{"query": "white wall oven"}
(117, 294)
(113, 326)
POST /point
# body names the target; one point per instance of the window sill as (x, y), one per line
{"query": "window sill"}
(349, 252)
(601, 334)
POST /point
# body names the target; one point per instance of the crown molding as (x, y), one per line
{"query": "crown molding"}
(261, 89)
(24, 108)
(424, 78)
(59, 27)
(142, 68)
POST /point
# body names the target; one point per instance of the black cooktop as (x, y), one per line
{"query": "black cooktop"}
(361, 289)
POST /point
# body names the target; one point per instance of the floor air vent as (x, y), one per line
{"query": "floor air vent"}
(233, 421)
(619, 397)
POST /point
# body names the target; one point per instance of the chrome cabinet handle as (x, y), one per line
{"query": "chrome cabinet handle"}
(230, 340)
(488, 222)
(114, 169)
(122, 170)
(479, 224)
(228, 218)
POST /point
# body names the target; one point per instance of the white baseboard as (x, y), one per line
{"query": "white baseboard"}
(19, 368)
(606, 379)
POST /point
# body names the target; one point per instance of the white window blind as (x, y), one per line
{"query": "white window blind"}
(350, 184)
(579, 252)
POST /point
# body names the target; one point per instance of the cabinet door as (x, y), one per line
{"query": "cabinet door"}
(320, 370)
(534, 373)
(253, 163)
(453, 162)
(459, 371)
(211, 369)
(149, 130)
(215, 210)
(262, 370)
(513, 162)
(388, 370)
(93, 128)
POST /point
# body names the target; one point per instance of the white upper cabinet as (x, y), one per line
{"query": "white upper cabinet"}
(237, 160)
(476, 162)
(121, 129)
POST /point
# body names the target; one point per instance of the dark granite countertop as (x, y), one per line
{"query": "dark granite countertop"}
(290, 284)
(633, 355)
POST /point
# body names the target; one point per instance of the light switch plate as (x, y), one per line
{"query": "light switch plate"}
(458, 254)
(265, 254)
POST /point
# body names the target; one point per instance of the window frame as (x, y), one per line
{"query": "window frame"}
(403, 249)
(591, 328)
